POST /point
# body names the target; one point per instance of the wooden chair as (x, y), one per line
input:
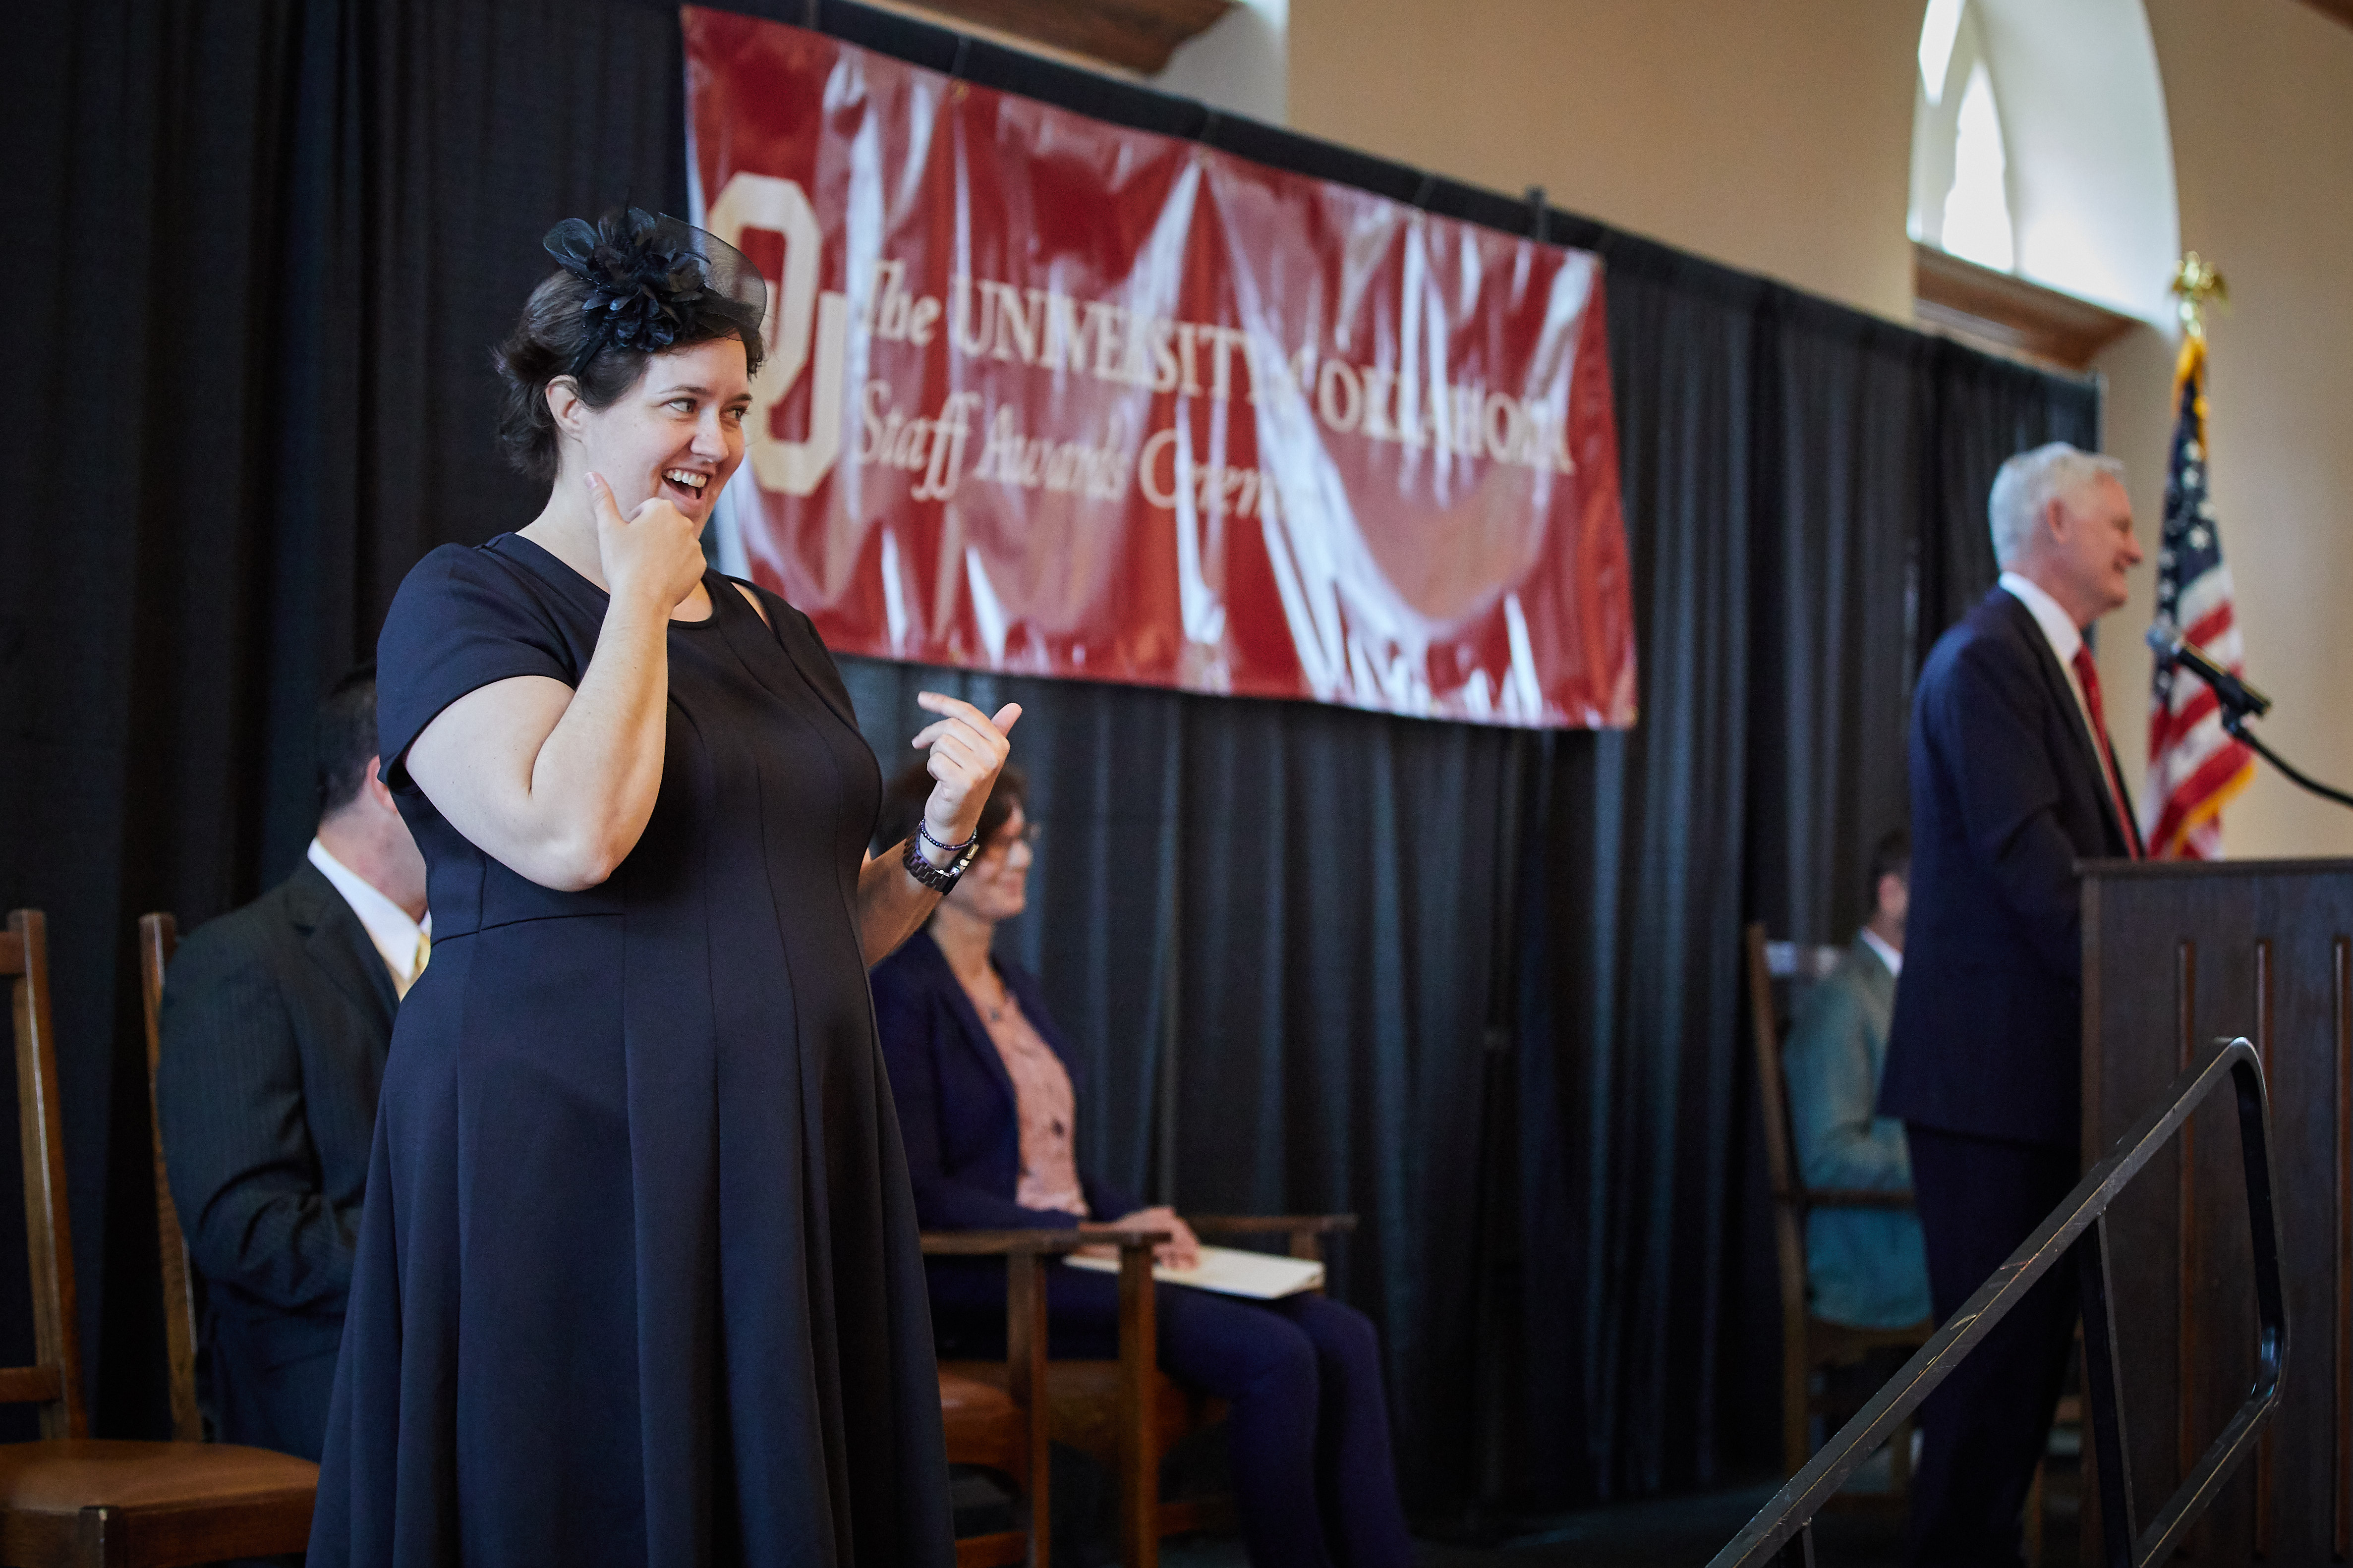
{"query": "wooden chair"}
(1810, 1345)
(68, 1498)
(159, 938)
(1000, 1423)
(1127, 1415)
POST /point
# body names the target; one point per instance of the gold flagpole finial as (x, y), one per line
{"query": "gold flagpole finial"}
(2194, 283)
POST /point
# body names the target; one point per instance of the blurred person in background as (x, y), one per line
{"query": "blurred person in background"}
(1864, 1268)
(989, 1103)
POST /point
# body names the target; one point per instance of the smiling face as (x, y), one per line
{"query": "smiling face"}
(676, 435)
(2086, 545)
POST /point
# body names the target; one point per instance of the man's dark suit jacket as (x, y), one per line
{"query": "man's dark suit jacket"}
(276, 1020)
(2007, 795)
(956, 1108)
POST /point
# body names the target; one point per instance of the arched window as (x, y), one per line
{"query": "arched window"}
(1960, 163)
(2040, 147)
(1977, 209)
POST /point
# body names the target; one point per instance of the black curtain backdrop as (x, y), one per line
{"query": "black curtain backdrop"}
(1479, 986)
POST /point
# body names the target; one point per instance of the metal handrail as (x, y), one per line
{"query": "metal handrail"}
(2079, 1225)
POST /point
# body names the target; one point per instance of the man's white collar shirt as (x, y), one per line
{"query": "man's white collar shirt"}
(2057, 624)
(1890, 956)
(397, 938)
(2059, 629)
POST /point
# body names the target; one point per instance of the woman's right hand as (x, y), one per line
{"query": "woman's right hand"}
(656, 552)
(558, 781)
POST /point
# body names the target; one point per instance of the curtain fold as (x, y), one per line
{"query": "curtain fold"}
(1478, 986)
(1625, 1119)
(270, 248)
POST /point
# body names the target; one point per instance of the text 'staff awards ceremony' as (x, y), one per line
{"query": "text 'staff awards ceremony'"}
(1177, 783)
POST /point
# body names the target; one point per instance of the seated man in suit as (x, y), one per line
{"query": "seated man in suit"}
(276, 1018)
(1864, 1268)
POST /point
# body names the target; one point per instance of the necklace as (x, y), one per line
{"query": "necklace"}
(993, 1011)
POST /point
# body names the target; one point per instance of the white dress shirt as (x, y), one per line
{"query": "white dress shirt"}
(2059, 629)
(1890, 956)
(396, 937)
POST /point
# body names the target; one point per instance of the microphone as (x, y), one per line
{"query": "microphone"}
(2233, 693)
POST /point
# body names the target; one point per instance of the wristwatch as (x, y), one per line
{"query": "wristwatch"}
(939, 878)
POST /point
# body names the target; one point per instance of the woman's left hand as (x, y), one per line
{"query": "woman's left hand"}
(968, 750)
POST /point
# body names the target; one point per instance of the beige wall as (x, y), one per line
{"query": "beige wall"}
(2261, 96)
(1776, 135)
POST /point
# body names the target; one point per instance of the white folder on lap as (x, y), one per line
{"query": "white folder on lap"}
(1231, 1271)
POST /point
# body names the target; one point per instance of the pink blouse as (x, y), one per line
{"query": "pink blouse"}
(1046, 1107)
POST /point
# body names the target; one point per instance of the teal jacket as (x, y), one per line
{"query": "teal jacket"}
(1863, 1267)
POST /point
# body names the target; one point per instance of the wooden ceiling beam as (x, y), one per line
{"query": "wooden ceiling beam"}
(2341, 10)
(1135, 35)
(1998, 311)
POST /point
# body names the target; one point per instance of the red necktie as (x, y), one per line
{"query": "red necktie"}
(2089, 674)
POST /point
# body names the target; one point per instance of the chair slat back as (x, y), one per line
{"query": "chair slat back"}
(159, 936)
(55, 1383)
(1772, 1088)
(1780, 1156)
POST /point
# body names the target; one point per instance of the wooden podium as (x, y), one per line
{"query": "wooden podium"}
(2176, 956)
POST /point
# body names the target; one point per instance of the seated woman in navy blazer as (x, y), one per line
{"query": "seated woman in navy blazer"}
(989, 1106)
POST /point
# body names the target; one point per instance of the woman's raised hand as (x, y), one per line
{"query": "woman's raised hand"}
(657, 552)
(968, 749)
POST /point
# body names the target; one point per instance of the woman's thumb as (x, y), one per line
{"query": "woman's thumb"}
(600, 496)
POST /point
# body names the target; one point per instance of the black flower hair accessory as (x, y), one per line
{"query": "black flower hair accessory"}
(654, 281)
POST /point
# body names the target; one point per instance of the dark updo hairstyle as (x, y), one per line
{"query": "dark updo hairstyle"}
(632, 286)
(902, 804)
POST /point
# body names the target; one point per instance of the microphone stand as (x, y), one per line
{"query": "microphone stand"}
(2239, 702)
(2234, 721)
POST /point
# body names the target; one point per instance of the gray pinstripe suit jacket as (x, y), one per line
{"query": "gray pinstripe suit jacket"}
(275, 1024)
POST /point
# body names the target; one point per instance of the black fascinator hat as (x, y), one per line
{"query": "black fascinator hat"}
(630, 285)
(653, 281)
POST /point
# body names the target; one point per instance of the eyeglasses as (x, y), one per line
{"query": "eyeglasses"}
(1004, 842)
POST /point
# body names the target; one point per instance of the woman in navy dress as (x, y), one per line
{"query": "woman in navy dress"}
(637, 1279)
(991, 1111)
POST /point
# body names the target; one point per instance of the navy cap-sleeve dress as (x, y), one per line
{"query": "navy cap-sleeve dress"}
(637, 1278)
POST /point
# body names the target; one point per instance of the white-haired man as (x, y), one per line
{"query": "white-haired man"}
(2013, 780)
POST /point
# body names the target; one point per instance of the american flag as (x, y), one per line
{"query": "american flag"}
(2193, 766)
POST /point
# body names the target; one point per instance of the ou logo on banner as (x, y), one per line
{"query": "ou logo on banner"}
(798, 312)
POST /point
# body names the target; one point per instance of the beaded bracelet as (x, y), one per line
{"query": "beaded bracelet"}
(923, 831)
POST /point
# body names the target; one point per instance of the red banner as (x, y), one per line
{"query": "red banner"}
(1052, 396)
